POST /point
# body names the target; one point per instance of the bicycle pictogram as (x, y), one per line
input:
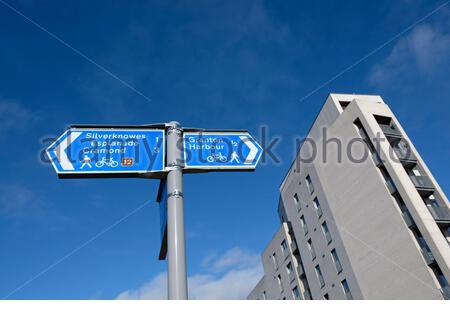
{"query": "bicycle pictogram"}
(106, 161)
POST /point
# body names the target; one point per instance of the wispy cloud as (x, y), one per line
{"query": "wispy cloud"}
(425, 50)
(235, 257)
(231, 275)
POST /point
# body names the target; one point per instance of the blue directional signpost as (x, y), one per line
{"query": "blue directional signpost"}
(162, 152)
(220, 151)
(108, 152)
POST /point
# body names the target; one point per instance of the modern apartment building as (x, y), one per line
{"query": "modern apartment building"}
(361, 215)
(282, 262)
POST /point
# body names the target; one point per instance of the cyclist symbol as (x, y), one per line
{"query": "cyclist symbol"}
(108, 162)
(216, 157)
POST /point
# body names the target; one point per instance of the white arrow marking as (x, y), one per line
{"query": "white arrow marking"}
(61, 154)
(253, 149)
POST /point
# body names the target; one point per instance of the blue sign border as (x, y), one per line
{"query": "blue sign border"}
(203, 167)
(134, 173)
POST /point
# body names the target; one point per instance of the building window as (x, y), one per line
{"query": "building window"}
(309, 184)
(346, 289)
(311, 249)
(304, 225)
(316, 205)
(320, 276)
(274, 261)
(289, 268)
(296, 293)
(283, 246)
(280, 284)
(326, 232)
(298, 204)
(336, 260)
(326, 296)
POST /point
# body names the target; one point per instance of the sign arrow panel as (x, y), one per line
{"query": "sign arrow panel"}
(220, 151)
(105, 152)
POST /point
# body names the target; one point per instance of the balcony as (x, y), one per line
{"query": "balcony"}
(405, 156)
(391, 186)
(390, 131)
(408, 219)
(376, 158)
(440, 214)
(428, 256)
(423, 184)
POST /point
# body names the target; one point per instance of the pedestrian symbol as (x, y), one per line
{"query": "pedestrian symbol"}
(86, 161)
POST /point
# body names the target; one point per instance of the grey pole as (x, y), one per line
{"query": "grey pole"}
(176, 247)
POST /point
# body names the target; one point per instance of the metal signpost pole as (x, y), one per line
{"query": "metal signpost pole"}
(176, 248)
(218, 150)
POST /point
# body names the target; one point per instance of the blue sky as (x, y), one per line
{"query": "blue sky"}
(210, 64)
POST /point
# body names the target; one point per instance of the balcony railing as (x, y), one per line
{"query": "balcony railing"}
(429, 258)
(423, 184)
(406, 157)
(391, 186)
(408, 219)
(440, 214)
(390, 131)
(376, 158)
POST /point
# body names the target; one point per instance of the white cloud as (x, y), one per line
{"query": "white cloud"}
(229, 276)
(235, 257)
(425, 50)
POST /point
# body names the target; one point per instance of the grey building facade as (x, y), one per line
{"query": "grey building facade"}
(365, 215)
(282, 262)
